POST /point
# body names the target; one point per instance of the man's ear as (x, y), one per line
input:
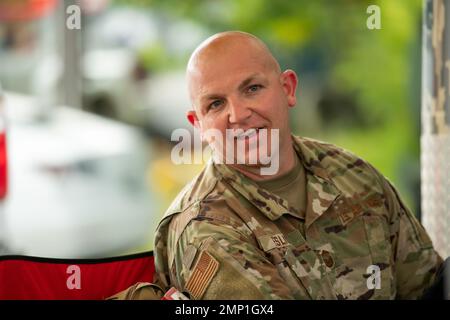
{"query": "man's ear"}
(192, 118)
(289, 82)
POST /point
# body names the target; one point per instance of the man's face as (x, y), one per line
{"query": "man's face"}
(239, 90)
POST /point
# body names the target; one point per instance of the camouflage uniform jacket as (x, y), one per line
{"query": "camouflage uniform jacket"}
(224, 237)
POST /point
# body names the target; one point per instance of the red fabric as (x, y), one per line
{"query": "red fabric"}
(25, 9)
(42, 278)
(3, 166)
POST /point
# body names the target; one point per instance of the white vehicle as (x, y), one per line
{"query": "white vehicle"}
(77, 185)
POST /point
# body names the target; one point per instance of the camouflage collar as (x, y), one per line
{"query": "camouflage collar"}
(321, 191)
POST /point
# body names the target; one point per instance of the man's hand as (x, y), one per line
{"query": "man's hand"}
(139, 291)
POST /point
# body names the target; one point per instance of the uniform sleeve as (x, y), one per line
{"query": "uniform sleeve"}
(242, 270)
(416, 261)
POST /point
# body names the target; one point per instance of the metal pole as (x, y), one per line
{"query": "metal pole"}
(435, 139)
(72, 75)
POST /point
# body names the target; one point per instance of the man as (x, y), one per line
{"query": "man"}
(325, 225)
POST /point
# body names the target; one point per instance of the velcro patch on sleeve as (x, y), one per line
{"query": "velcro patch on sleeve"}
(204, 270)
(189, 256)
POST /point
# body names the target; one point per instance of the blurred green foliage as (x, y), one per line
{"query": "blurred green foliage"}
(155, 58)
(376, 71)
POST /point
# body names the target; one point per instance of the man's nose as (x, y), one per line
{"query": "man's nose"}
(238, 112)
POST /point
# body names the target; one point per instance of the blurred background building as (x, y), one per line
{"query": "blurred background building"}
(90, 111)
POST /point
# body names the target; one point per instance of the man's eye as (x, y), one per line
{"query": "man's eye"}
(215, 104)
(254, 88)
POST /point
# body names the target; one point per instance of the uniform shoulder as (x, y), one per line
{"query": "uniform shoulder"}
(341, 165)
(319, 150)
(179, 214)
(193, 192)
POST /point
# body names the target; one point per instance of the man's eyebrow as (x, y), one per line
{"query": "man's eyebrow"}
(247, 81)
(242, 85)
(211, 97)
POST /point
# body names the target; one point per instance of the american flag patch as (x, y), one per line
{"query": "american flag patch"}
(204, 270)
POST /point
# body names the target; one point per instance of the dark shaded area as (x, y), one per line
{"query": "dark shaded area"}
(101, 105)
(341, 109)
(440, 289)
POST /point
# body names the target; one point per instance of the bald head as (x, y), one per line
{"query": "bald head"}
(231, 42)
(224, 47)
